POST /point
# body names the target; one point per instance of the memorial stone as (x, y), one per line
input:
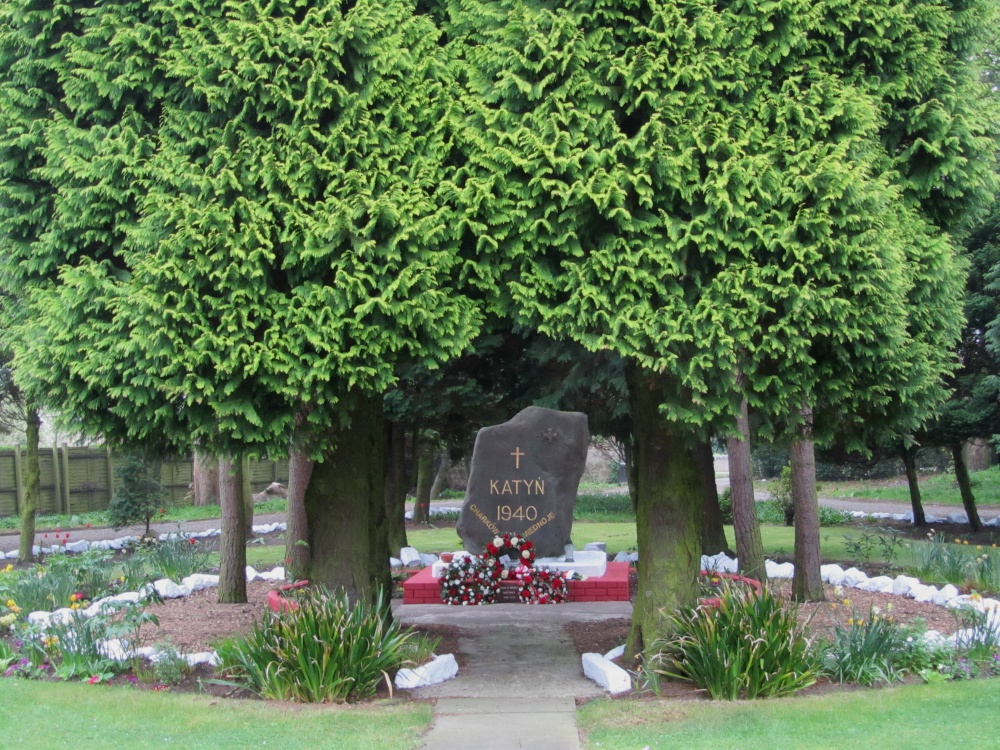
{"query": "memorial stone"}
(524, 478)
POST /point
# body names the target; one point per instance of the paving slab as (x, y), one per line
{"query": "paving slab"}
(512, 724)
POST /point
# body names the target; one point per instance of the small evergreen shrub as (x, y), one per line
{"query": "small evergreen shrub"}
(326, 650)
(138, 495)
(749, 646)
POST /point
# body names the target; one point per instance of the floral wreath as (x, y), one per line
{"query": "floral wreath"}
(470, 579)
(475, 579)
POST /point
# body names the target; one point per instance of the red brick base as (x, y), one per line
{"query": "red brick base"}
(611, 587)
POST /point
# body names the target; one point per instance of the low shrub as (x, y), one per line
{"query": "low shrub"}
(604, 507)
(870, 649)
(749, 646)
(326, 650)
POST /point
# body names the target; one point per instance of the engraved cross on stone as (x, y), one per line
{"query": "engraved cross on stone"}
(517, 457)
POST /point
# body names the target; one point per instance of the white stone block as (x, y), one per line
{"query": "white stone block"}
(199, 581)
(438, 568)
(114, 649)
(633, 557)
(39, 618)
(428, 559)
(621, 557)
(606, 674)
(81, 546)
(720, 562)
(203, 657)
(410, 556)
(958, 518)
(853, 576)
(170, 590)
(251, 574)
(922, 593)
(779, 570)
(615, 653)
(832, 574)
(903, 585)
(934, 519)
(945, 595)
(277, 574)
(995, 521)
(395, 562)
(439, 669)
(880, 584)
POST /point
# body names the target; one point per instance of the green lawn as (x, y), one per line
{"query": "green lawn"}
(939, 489)
(46, 715)
(778, 540)
(957, 714)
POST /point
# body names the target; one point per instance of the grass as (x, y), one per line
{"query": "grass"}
(99, 518)
(903, 718)
(778, 541)
(937, 489)
(45, 715)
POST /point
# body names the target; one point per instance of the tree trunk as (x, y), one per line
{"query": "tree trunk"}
(246, 492)
(628, 449)
(807, 583)
(441, 476)
(205, 478)
(297, 527)
(668, 514)
(746, 526)
(395, 487)
(965, 487)
(345, 504)
(425, 472)
(713, 534)
(32, 474)
(909, 454)
(233, 542)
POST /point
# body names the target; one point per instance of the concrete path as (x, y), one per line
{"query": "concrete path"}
(520, 675)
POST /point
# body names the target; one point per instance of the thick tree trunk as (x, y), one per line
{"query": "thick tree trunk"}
(297, 527)
(909, 454)
(345, 504)
(32, 475)
(425, 476)
(205, 478)
(395, 487)
(713, 534)
(746, 526)
(441, 476)
(668, 514)
(246, 492)
(233, 542)
(965, 487)
(807, 583)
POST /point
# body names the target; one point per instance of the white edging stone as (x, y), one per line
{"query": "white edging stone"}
(606, 674)
(439, 669)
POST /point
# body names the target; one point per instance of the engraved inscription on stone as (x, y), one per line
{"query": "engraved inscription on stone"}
(524, 478)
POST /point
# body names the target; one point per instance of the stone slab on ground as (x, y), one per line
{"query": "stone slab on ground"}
(511, 724)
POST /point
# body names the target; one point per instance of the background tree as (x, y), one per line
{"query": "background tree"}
(288, 243)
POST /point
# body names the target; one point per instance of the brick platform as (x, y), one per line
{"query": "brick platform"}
(422, 588)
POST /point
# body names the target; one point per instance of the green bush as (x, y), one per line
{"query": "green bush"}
(138, 495)
(869, 650)
(326, 650)
(613, 506)
(749, 646)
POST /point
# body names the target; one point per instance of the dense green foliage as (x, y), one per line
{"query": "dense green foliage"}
(138, 493)
(325, 650)
(749, 646)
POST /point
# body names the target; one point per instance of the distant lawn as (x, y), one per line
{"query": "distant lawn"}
(915, 717)
(778, 540)
(44, 715)
(937, 489)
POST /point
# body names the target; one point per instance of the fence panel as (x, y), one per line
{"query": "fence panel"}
(79, 480)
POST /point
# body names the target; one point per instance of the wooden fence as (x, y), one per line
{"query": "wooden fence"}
(78, 480)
